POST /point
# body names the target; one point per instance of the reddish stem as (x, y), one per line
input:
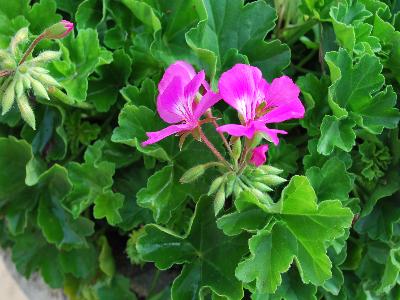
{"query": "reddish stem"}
(31, 47)
(210, 115)
(212, 148)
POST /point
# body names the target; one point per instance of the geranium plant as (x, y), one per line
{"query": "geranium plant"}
(214, 149)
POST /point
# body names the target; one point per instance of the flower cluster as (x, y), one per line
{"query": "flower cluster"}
(21, 73)
(257, 102)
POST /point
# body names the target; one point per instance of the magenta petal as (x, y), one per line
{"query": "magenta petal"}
(258, 156)
(170, 103)
(154, 137)
(180, 69)
(192, 88)
(282, 96)
(237, 130)
(207, 101)
(239, 88)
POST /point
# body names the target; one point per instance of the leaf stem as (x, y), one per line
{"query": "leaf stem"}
(212, 148)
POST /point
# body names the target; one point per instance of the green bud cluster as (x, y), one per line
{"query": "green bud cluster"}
(258, 180)
(24, 77)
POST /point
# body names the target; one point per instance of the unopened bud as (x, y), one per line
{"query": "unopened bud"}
(26, 82)
(26, 111)
(192, 174)
(230, 184)
(46, 56)
(38, 70)
(262, 187)
(8, 64)
(4, 55)
(215, 185)
(270, 170)
(20, 37)
(19, 86)
(39, 89)
(237, 190)
(219, 200)
(236, 149)
(8, 98)
(59, 30)
(46, 79)
(271, 180)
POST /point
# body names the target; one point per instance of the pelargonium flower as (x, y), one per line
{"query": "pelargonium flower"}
(176, 103)
(258, 156)
(258, 102)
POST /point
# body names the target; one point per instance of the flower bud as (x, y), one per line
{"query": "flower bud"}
(215, 185)
(19, 37)
(270, 170)
(219, 200)
(59, 30)
(19, 86)
(262, 187)
(236, 149)
(8, 98)
(46, 56)
(39, 89)
(237, 189)
(230, 184)
(46, 79)
(192, 174)
(8, 64)
(26, 111)
(26, 82)
(271, 180)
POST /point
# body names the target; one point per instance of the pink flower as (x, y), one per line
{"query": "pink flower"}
(59, 30)
(258, 157)
(258, 102)
(175, 103)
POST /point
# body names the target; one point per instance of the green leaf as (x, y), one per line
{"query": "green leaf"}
(90, 180)
(379, 112)
(134, 122)
(145, 96)
(292, 288)
(56, 223)
(42, 15)
(90, 13)
(241, 27)
(332, 181)
(163, 194)
(351, 32)
(145, 13)
(81, 55)
(302, 233)
(106, 259)
(392, 269)
(247, 217)
(314, 91)
(14, 155)
(381, 222)
(118, 289)
(207, 264)
(103, 91)
(272, 252)
(336, 132)
(81, 263)
(107, 205)
(27, 254)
